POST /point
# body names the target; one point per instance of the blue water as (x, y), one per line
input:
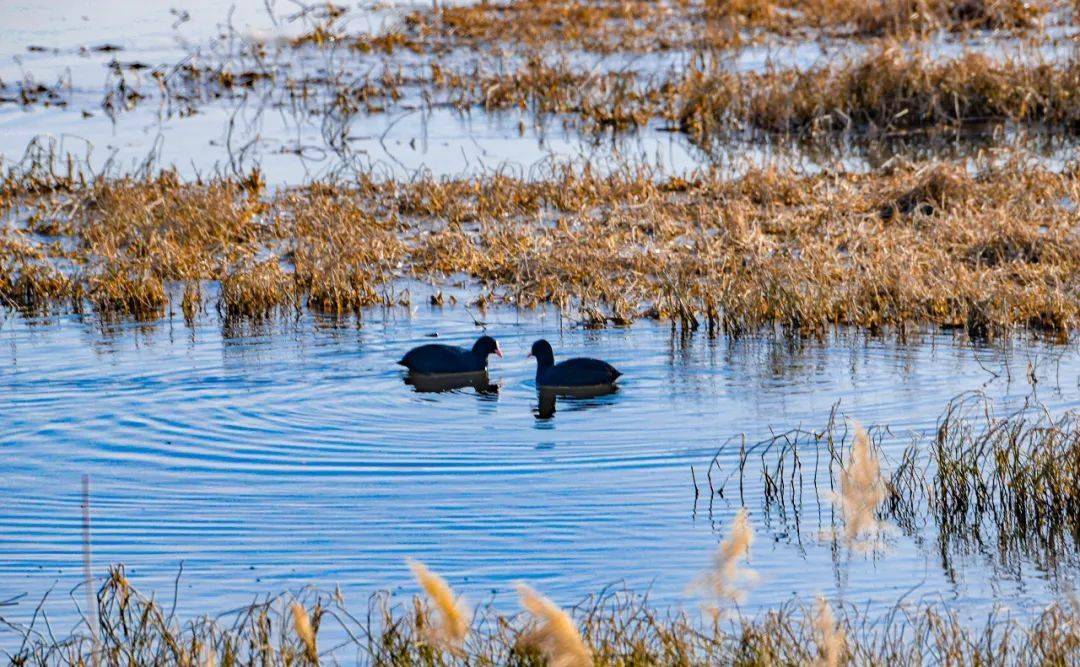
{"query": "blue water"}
(265, 459)
(269, 458)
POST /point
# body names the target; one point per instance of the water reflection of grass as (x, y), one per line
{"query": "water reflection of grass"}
(1006, 486)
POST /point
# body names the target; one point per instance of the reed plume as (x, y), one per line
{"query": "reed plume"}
(831, 639)
(728, 577)
(306, 633)
(557, 635)
(861, 489)
(453, 617)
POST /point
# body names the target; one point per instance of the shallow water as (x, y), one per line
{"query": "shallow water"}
(260, 129)
(292, 455)
(268, 458)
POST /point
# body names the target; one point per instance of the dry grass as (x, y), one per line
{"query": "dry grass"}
(862, 490)
(452, 616)
(257, 291)
(608, 26)
(1002, 485)
(830, 638)
(617, 629)
(726, 581)
(556, 635)
(1013, 477)
(986, 250)
(305, 631)
(892, 84)
(890, 88)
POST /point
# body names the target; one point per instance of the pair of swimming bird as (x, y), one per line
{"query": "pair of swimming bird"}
(441, 359)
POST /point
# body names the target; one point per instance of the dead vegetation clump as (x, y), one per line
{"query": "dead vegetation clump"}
(1001, 485)
(604, 26)
(987, 248)
(616, 628)
(342, 255)
(127, 290)
(610, 26)
(918, 17)
(258, 291)
(183, 231)
(889, 88)
(1015, 477)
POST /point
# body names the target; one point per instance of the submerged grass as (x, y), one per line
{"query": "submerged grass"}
(1002, 485)
(987, 249)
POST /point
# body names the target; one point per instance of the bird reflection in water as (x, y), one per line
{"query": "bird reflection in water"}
(426, 384)
(575, 396)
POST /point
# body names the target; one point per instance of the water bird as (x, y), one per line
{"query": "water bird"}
(578, 372)
(438, 358)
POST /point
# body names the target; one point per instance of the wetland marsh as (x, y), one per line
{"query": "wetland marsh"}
(779, 220)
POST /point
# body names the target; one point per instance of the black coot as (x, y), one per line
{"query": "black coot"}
(438, 358)
(572, 372)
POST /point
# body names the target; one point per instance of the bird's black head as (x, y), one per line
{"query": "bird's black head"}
(485, 346)
(545, 356)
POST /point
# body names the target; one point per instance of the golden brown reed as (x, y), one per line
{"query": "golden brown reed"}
(556, 635)
(305, 631)
(728, 578)
(127, 290)
(987, 247)
(890, 87)
(452, 626)
(830, 638)
(624, 629)
(608, 26)
(257, 291)
(892, 83)
(862, 490)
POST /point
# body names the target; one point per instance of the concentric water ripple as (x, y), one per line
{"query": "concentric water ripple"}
(296, 455)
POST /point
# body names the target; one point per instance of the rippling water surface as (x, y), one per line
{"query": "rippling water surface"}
(267, 459)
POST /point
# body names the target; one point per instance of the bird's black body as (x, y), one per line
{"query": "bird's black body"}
(579, 372)
(436, 358)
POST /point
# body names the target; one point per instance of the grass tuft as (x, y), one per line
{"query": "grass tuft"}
(557, 634)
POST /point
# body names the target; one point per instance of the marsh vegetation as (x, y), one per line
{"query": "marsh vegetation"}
(959, 225)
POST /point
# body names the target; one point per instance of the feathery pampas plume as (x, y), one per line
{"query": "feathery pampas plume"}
(831, 639)
(453, 618)
(557, 635)
(727, 578)
(861, 489)
(303, 628)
